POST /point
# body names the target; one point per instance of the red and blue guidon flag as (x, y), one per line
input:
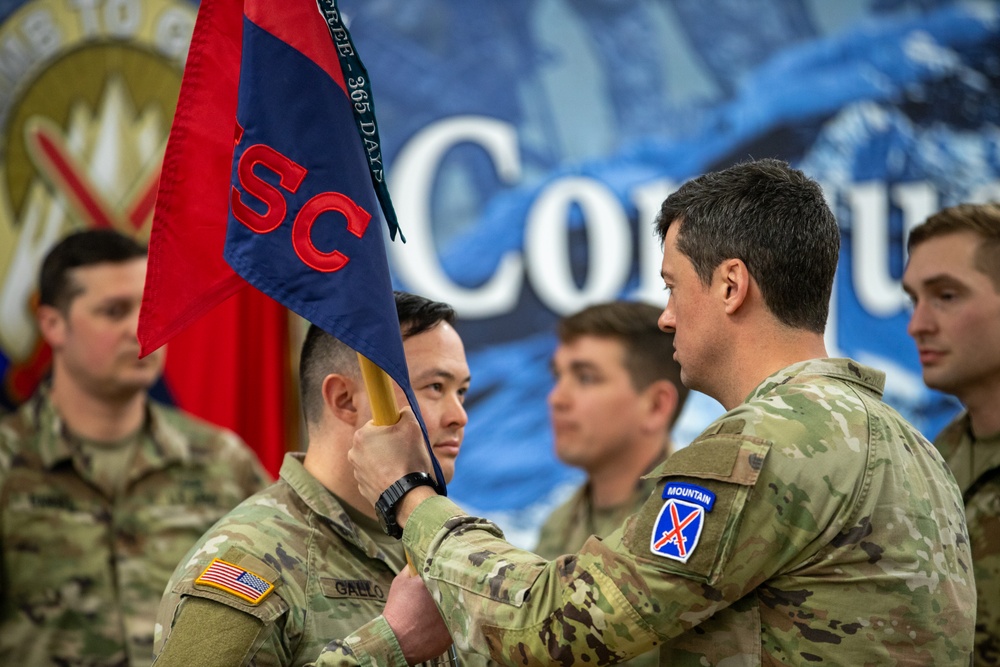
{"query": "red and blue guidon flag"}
(679, 523)
(275, 95)
(304, 224)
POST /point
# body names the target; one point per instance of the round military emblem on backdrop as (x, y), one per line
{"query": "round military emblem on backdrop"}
(87, 94)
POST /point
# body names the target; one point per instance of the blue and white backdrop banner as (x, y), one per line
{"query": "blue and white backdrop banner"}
(529, 143)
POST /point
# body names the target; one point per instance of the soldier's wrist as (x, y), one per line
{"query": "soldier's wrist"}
(411, 501)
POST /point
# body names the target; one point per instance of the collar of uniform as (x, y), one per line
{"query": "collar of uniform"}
(968, 458)
(953, 436)
(165, 445)
(40, 416)
(324, 503)
(847, 370)
(987, 456)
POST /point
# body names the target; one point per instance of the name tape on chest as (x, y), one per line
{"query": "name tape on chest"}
(234, 579)
(679, 523)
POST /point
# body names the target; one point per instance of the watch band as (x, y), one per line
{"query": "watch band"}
(386, 505)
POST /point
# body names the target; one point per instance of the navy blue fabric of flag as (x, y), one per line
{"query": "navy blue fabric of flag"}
(305, 225)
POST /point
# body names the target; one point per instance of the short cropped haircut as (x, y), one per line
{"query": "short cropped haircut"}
(85, 248)
(649, 352)
(983, 220)
(322, 354)
(418, 314)
(773, 218)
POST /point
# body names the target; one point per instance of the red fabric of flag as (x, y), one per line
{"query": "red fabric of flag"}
(187, 274)
(232, 368)
(228, 363)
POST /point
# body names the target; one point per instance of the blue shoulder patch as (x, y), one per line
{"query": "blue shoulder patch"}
(679, 523)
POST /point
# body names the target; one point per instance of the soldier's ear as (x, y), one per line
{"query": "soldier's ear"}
(661, 403)
(52, 325)
(340, 397)
(734, 284)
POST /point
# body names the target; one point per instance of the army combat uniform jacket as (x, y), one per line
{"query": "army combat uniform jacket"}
(570, 524)
(976, 465)
(82, 568)
(810, 524)
(319, 574)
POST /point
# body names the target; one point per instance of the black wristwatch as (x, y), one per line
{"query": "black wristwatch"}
(385, 508)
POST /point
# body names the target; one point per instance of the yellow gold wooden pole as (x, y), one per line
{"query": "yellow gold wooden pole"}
(381, 395)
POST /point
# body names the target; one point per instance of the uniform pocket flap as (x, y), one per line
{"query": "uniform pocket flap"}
(688, 524)
(728, 457)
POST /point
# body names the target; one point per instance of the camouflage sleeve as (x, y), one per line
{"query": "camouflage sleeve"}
(372, 644)
(208, 633)
(983, 512)
(516, 607)
(618, 598)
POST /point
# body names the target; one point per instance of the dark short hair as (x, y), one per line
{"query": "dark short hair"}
(773, 218)
(322, 354)
(417, 314)
(983, 220)
(56, 287)
(649, 352)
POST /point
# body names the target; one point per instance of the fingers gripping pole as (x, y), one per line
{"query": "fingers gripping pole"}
(385, 412)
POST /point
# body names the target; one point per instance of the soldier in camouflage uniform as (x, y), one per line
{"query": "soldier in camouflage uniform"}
(808, 524)
(617, 392)
(310, 543)
(953, 278)
(102, 490)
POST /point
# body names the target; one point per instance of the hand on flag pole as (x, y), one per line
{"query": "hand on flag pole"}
(407, 584)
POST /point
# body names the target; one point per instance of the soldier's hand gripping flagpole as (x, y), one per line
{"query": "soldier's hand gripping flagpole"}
(385, 412)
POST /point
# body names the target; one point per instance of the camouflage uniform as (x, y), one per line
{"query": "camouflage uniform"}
(331, 575)
(570, 524)
(85, 559)
(835, 534)
(979, 479)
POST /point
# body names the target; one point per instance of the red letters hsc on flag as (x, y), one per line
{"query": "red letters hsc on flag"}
(270, 178)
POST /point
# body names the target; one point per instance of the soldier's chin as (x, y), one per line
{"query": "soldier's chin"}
(447, 468)
(138, 380)
(936, 379)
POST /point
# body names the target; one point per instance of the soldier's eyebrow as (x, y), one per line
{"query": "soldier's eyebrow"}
(583, 365)
(936, 282)
(439, 373)
(574, 366)
(942, 280)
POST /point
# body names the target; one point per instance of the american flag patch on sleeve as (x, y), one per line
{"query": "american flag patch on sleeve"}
(234, 579)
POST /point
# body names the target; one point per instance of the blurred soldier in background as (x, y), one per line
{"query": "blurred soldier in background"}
(953, 279)
(616, 395)
(102, 490)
